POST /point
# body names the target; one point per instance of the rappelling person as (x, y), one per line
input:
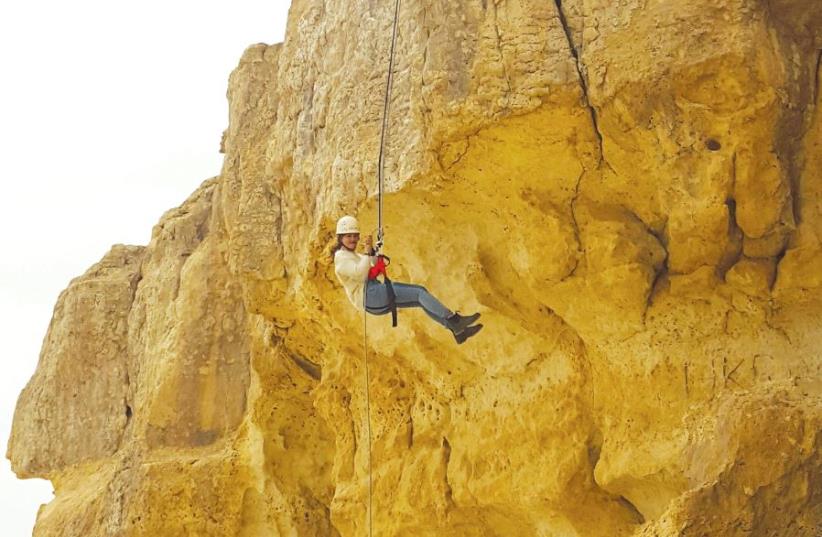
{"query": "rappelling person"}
(356, 273)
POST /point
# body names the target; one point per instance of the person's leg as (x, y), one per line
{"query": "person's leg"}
(416, 296)
(411, 296)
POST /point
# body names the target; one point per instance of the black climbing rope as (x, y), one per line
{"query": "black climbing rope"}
(385, 115)
(367, 412)
(380, 242)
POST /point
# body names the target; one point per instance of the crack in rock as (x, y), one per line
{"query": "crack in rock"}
(583, 82)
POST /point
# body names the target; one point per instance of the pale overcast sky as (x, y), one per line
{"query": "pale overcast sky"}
(111, 113)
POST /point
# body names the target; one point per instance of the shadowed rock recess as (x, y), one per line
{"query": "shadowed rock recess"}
(631, 194)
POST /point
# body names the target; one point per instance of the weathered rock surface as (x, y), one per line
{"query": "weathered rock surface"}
(631, 194)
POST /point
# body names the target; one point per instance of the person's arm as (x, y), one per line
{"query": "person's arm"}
(353, 269)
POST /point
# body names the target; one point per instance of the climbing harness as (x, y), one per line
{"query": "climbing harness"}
(377, 270)
(382, 260)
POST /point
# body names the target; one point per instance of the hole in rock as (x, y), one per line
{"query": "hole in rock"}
(712, 144)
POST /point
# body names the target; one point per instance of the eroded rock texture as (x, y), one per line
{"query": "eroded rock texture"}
(631, 194)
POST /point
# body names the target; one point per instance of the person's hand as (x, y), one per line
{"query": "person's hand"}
(367, 242)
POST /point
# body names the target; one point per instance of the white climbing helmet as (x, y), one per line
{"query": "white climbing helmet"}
(347, 224)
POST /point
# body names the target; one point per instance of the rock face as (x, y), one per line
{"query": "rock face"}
(631, 194)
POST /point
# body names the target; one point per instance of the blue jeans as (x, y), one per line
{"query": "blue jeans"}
(406, 295)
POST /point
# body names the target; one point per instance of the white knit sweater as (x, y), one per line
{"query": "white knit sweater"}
(351, 269)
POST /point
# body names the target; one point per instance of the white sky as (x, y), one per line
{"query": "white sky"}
(111, 113)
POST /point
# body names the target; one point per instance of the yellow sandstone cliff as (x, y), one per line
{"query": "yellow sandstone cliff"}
(631, 194)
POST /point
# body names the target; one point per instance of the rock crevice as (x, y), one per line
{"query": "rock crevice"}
(583, 79)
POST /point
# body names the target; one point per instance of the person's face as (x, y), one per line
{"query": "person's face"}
(350, 240)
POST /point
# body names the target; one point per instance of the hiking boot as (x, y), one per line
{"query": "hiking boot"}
(468, 332)
(457, 323)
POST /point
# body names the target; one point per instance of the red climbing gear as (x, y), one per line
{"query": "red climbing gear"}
(378, 268)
